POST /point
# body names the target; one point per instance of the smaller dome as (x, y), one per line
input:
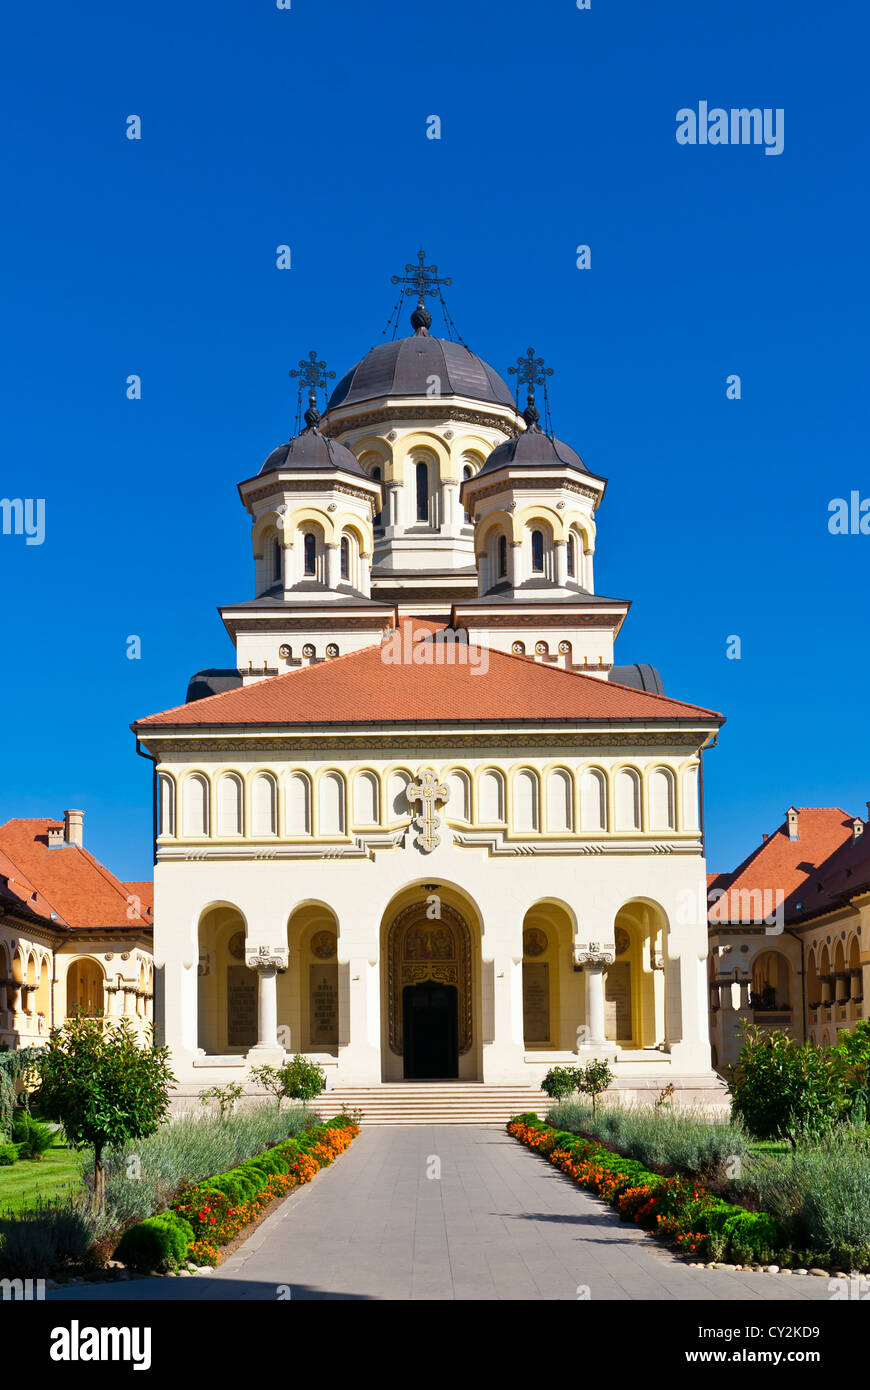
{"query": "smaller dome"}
(313, 451)
(533, 449)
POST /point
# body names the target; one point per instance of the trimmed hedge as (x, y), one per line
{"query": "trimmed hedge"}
(212, 1212)
(678, 1208)
(161, 1243)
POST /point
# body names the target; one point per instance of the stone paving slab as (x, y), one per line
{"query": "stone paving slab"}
(499, 1223)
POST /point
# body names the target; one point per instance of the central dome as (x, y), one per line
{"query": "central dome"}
(405, 368)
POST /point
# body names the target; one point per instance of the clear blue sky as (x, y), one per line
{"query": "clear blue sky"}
(308, 127)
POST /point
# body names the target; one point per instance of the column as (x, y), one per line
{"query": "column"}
(595, 1002)
(267, 962)
(561, 554)
(333, 570)
(392, 507)
(267, 1008)
(365, 575)
(514, 564)
(594, 959)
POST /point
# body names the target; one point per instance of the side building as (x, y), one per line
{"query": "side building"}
(73, 937)
(790, 932)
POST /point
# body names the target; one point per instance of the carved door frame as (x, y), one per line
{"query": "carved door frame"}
(402, 971)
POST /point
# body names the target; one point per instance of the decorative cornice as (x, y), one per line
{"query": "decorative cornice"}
(435, 409)
(362, 847)
(527, 484)
(361, 741)
(498, 845)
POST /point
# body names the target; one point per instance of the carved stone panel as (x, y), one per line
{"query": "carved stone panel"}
(241, 1006)
(323, 1004)
(536, 1002)
(617, 1002)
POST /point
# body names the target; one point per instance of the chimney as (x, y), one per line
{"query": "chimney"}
(764, 837)
(857, 828)
(72, 821)
(791, 816)
(55, 835)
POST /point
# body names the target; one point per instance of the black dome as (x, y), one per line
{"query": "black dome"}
(312, 451)
(403, 368)
(533, 449)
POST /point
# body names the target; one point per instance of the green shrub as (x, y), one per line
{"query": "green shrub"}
(560, 1082)
(39, 1240)
(297, 1079)
(8, 1155)
(682, 1140)
(158, 1243)
(33, 1139)
(821, 1195)
(753, 1237)
(145, 1176)
(782, 1089)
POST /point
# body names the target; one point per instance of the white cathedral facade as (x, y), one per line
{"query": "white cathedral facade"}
(426, 828)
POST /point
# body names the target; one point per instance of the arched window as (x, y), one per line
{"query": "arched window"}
(572, 561)
(422, 492)
(502, 556)
(467, 472)
(345, 558)
(537, 552)
(376, 474)
(264, 804)
(229, 805)
(276, 560)
(167, 806)
(310, 550)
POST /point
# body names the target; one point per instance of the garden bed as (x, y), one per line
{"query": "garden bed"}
(686, 1210)
(196, 1222)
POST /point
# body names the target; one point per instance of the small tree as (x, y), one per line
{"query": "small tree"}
(593, 1079)
(103, 1087)
(226, 1097)
(297, 1079)
(561, 1082)
(781, 1088)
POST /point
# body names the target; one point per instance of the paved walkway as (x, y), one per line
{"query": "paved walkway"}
(499, 1223)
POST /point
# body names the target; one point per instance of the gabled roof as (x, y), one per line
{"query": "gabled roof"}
(367, 687)
(81, 890)
(803, 874)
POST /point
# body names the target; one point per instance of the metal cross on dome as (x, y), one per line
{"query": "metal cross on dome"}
(420, 279)
(314, 375)
(530, 371)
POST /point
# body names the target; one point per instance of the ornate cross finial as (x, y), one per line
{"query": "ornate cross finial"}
(530, 372)
(427, 789)
(420, 279)
(314, 375)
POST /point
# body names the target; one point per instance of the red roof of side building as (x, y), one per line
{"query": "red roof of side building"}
(780, 872)
(366, 687)
(77, 886)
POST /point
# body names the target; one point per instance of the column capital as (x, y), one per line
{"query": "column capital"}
(593, 956)
(265, 958)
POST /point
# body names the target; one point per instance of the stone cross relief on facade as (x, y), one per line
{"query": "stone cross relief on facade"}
(426, 790)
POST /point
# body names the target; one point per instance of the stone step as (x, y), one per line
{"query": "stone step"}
(435, 1103)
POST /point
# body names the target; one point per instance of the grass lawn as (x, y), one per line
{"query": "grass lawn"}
(770, 1146)
(60, 1169)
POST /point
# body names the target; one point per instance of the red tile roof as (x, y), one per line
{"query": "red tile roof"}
(68, 879)
(795, 874)
(364, 688)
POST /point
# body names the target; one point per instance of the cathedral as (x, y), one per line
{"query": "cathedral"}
(426, 829)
